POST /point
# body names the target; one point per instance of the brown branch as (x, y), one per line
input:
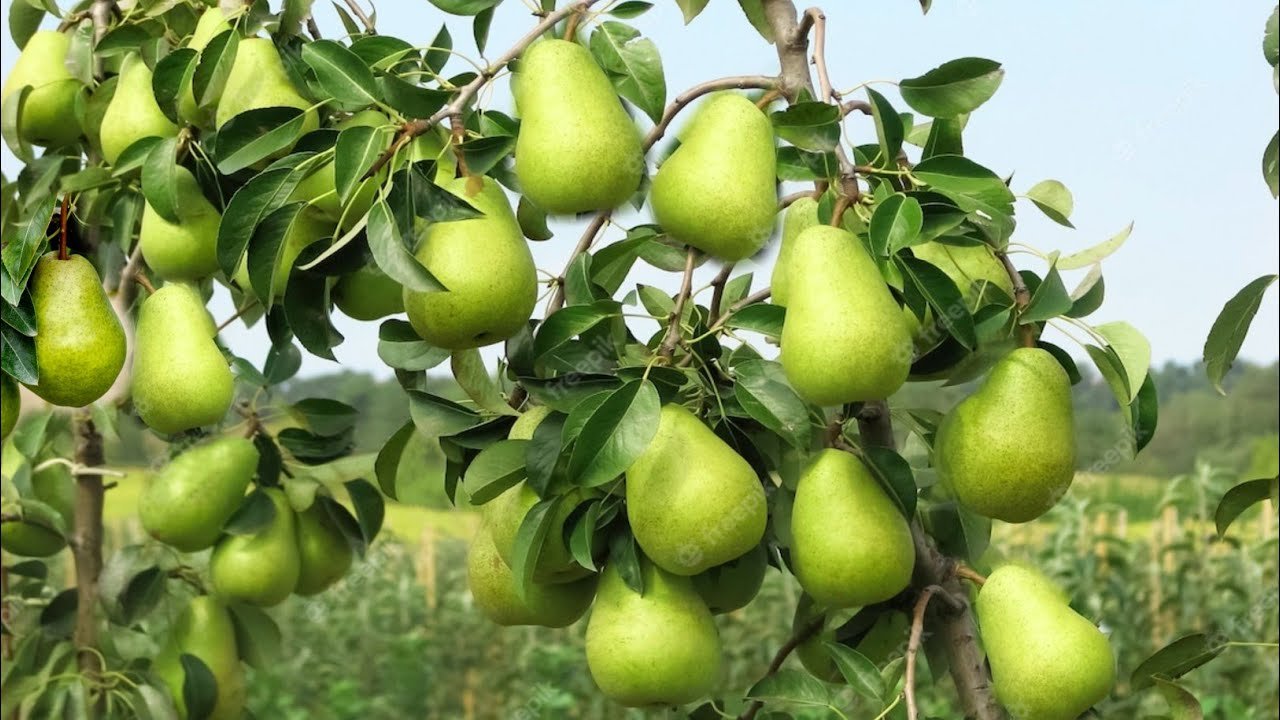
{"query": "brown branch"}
(788, 200)
(964, 572)
(851, 106)
(361, 15)
(791, 39)
(240, 311)
(717, 289)
(584, 244)
(753, 298)
(142, 280)
(313, 28)
(837, 212)
(668, 346)
(818, 21)
(736, 82)
(781, 656)
(86, 549)
(1021, 299)
(913, 649)
(571, 26)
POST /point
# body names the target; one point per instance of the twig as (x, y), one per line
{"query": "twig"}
(240, 311)
(77, 469)
(584, 244)
(753, 298)
(780, 657)
(717, 289)
(361, 15)
(313, 28)
(965, 572)
(668, 346)
(788, 200)
(851, 106)
(837, 212)
(818, 21)
(64, 218)
(571, 26)
(142, 280)
(736, 82)
(1021, 299)
(913, 649)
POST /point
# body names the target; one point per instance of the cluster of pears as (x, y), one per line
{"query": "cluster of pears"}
(205, 630)
(187, 504)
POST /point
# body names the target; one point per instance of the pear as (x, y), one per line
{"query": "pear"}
(212, 23)
(36, 535)
(49, 113)
(10, 405)
(735, 584)
(493, 588)
(527, 424)
(718, 190)
(187, 504)
(80, 344)
(434, 145)
(970, 267)
(320, 189)
(187, 249)
(850, 544)
(692, 501)
(133, 113)
(324, 554)
(1047, 662)
(205, 630)
(487, 269)
(503, 516)
(578, 150)
(368, 294)
(800, 216)
(260, 569)
(1008, 450)
(181, 380)
(844, 339)
(307, 228)
(659, 648)
(886, 636)
(258, 80)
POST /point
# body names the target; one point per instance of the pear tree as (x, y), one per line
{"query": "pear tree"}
(640, 456)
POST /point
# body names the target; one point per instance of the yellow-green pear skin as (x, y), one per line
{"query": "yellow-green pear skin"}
(368, 294)
(1008, 451)
(527, 424)
(718, 190)
(260, 569)
(205, 630)
(970, 267)
(656, 649)
(871, 557)
(488, 271)
(320, 187)
(133, 112)
(212, 23)
(578, 150)
(181, 380)
(49, 114)
(503, 515)
(187, 249)
(10, 405)
(800, 216)
(493, 589)
(258, 80)
(186, 504)
(844, 339)
(36, 536)
(692, 501)
(1047, 662)
(735, 584)
(324, 555)
(80, 344)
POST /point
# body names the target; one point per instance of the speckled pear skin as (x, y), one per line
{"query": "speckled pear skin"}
(493, 589)
(488, 270)
(968, 266)
(656, 649)
(80, 345)
(260, 569)
(844, 338)
(735, 584)
(1008, 451)
(181, 380)
(368, 294)
(48, 116)
(258, 80)
(133, 112)
(186, 504)
(503, 515)
(212, 23)
(1047, 662)
(578, 150)
(205, 629)
(851, 546)
(693, 502)
(718, 191)
(187, 249)
(324, 555)
(798, 217)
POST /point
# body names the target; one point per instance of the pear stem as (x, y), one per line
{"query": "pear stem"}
(571, 26)
(768, 98)
(62, 230)
(1021, 298)
(788, 200)
(965, 572)
(240, 311)
(672, 339)
(717, 289)
(142, 280)
(361, 15)
(913, 649)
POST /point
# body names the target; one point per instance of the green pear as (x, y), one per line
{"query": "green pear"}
(80, 344)
(503, 516)
(487, 269)
(205, 630)
(36, 535)
(578, 150)
(212, 23)
(187, 249)
(186, 504)
(1008, 450)
(527, 424)
(870, 557)
(886, 636)
(181, 380)
(970, 267)
(260, 569)
(320, 189)
(1047, 662)
(258, 80)
(735, 584)
(800, 216)
(718, 190)
(368, 294)
(493, 588)
(133, 112)
(307, 228)
(659, 648)
(844, 339)
(10, 405)
(434, 145)
(692, 501)
(324, 555)
(49, 114)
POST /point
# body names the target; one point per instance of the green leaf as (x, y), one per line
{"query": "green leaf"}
(943, 296)
(1112, 371)
(199, 687)
(690, 9)
(754, 10)
(1176, 659)
(480, 28)
(355, 152)
(614, 434)
(400, 347)
(438, 53)
(21, 317)
(1241, 498)
(383, 52)
(1088, 295)
(1049, 301)
(959, 532)
(160, 178)
(484, 154)
(946, 137)
(800, 165)
(890, 132)
(474, 378)
(895, 475)
(1229, 330)
(142, 594)
(464, 7)
(325, 416)
(412, 100)
(391, 254)
(636, 8)
(210, 76)
(533, 221)
(633, 64)
(11, 126)
(24, 21)
(257, 636)
(341, 73)
(1144, 414)
(1182, 704)
(530, 538)
(953, 88)
(1271, 165)
(859, 672)
(763, 318)
(20, 254)
(793, 686)
(762, 390)
(566, 323)
(1054, 200)
(955, 175)
(255, 513)
(256, 135)
(414, 195)
(268, 245)
(437, 417)
(1092, 255)
(387, 465)
(895, 224)
(1132, 348)
(370, 509)
(809, 125)
(495, 470)
(1271, 38)
(171, 77)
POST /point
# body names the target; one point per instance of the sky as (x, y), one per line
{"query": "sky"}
(1152, 116)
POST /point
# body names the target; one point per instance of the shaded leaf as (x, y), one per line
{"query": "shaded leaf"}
(1230, 328)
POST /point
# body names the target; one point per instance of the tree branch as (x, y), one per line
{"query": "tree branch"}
(780, 657)
(86, 549)
(736, 82)
(668, 346)
(584, 244)
(717, 289)
(913, 649)
(818, 21)
(361, 15)
(1021, 298)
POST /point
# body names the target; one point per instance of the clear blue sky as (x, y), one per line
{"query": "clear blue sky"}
(1151, 113)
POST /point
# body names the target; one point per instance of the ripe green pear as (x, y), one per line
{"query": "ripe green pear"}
(212, 23)
(692, 501)
(324, 555)
(368, 294)
(718, 190)
(800, 216)
(260, 569)
(659, 648)
(49, 115)
(493, 588)
(1008, 451)
(186, 504)
(578, 150)
(850, 544)
(488, 270)
(181, 380)
(80, 344)
(205, 630)
(503, 516)
(187, 249)
(133, 112)
(37, 534)
(527, 424)
(258, 80)
(735, 584)
(10, 405)
(844, 339)
(1047, 662)
(970, 267)
(309, 227)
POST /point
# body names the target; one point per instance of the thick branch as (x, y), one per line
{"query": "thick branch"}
(792, 43)
(717, 289)
(781, 656)
(86, 546)
(668, 346)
